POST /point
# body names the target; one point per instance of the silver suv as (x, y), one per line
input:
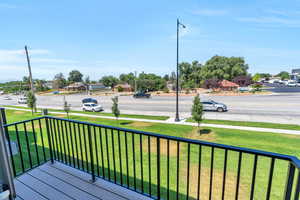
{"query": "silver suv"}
(214, 106)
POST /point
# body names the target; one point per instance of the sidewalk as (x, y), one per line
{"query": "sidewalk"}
(172, 121)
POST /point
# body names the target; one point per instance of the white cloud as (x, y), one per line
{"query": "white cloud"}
(272, 21)
(210, 12)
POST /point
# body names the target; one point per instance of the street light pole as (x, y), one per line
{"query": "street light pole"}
(29, 70)
(177, 72)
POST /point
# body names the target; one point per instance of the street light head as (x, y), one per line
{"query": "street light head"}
(183, 26)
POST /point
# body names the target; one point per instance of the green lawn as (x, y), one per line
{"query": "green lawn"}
(152, 117)
(251, 124)
(279, 143)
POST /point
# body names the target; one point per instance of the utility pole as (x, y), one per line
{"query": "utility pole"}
(177, 72)
(29, 69)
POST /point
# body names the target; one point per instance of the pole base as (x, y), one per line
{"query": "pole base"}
(177, 119)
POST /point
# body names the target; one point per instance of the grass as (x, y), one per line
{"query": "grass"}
(250, 124)
(152, 117)
(102, 145)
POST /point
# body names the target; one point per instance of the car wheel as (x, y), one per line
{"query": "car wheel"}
(83, 109)
(220, 110)
(94, 110)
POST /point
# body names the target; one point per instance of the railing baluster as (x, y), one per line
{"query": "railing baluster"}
(20, 148)
(107, 153)
(96, 150)
(133, 156)
(59, 140)
(224, 174)
(253, 177)
(297, 187)
(10, 151)
(80, 145)
(113, 155)
(158, 167)
(149, 167)
(120, 158)
(57, 151)
(177, 184)
(211, 172)
(72, 144)
(127, 168)
(168, 169)
(35, 143)
(141, 158)
(270, 178)
(289, 182)
(101, 151)
(76, 144)
(42, 138)
(238, 176)
(63, 141)
(91, 153)
(199, 172)
(68, 143)
(188, 172)
(49, 140)
(28, 146)
(85, 148)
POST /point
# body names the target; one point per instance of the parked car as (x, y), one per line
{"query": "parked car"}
(291, 84)
(92, 107)
(89, 100)
(55, 92)
(214, 106)
(141, 95)
(7, 98)
(22, 100)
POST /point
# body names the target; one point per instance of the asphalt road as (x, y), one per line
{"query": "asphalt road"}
(280, 107)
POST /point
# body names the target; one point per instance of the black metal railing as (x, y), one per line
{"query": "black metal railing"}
(158, 166)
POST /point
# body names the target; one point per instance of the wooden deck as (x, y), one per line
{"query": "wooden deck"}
(58, 182)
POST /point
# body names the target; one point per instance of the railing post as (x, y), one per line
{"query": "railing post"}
(297, 187)
(289, 182)
(6, 172)
(4, 121)
(49, 139)
(158, 167)
(91, 154)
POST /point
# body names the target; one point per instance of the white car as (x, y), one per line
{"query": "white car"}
(92, 107)
(7, 98)
(22, 100)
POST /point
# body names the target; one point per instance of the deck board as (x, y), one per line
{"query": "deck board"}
(58, 181)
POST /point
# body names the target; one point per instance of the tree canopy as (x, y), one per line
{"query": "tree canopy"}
(283, 75)
(109, 81)
(75, 76)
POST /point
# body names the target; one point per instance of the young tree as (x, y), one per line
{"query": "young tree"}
(197, 110)
(115, 107)
(31, 101)
(66, 107)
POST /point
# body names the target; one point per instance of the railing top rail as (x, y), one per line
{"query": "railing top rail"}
(24, 121)
(295, 161)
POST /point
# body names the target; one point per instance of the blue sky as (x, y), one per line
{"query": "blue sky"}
(112, 37)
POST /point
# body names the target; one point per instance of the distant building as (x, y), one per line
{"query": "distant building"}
(228, 85)
(76, 86)
(97, 86)
(295, 75)
(123, 88)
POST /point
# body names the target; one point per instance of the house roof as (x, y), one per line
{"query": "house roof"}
(126, 85)
(225, 83)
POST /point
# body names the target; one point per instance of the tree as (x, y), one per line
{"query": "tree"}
(150, 82)
(87, 80)
(243, 81)
(109, 81)
(31, 101)
(59, 81)
(221, 67)
(284, 75)
(67, 107)
(212, 83)
(127, 78)
(256, 77)
(197, 110)
(75, 76)
(115, 107)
